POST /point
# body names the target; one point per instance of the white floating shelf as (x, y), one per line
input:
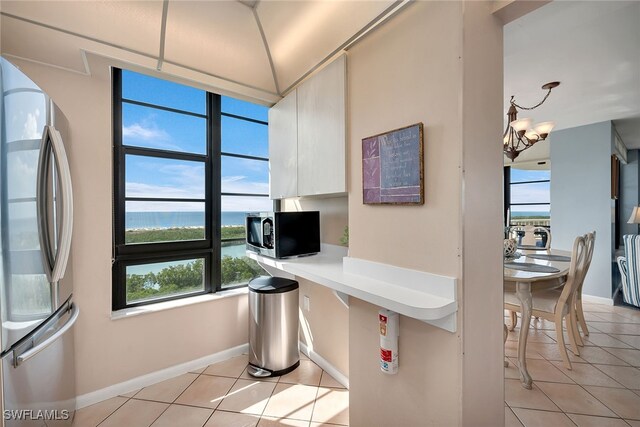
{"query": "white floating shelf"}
(418, 294)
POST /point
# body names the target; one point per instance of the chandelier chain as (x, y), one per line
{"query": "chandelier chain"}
(535, 106)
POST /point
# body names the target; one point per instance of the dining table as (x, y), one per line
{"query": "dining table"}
(525, 273)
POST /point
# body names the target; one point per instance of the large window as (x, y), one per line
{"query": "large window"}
(188, 165)
(527, 196)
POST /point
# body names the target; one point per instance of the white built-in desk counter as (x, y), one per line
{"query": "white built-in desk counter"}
(424, 296)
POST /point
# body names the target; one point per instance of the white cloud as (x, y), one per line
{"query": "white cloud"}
(240, 184)
(164, 207)
(139, 189)
(138, 131)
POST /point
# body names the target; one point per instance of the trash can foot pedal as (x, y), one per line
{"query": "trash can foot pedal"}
(254, 371)
(258, 372)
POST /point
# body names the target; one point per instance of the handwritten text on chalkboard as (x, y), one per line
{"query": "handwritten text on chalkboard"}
(392, 167)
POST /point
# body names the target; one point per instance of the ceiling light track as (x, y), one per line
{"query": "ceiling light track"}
(163, 33)
(266, 47)
(383, 17)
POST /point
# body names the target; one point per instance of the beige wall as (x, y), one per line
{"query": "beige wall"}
(411, 70)
(108, 351)
(482, 293)
(325, 327)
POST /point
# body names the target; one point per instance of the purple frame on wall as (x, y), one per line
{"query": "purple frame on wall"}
(393, 167)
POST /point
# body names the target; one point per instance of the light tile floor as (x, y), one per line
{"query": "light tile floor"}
(602, 388)
(225, 395)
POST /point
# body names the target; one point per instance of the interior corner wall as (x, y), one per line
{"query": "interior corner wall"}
(581, 197)
(629, 193)
(108, 351)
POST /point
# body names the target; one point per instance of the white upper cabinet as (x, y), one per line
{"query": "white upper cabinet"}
(307, 140)
(283, 148)
(321, 131)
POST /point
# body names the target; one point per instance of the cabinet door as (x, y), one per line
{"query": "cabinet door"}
(283, 148)
(321, 131)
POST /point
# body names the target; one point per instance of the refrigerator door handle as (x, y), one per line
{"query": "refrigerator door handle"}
(66, 196)
(54, 264)
(44, 159)
(19, 359)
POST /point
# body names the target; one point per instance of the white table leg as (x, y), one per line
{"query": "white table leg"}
(523, 291)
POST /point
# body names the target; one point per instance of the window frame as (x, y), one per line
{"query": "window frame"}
(210, 248)
(507, 192)
(146, 253)
(231, 194)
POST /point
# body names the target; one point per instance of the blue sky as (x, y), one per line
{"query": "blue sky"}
(153, 128)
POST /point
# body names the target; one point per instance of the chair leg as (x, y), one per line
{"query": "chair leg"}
(560, 338)
(505, 334)
(571, 332)
(576, 331)
(514, 320)
(580, 314)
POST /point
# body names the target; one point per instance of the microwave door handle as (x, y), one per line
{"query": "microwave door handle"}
(44, 236)
(66, 198)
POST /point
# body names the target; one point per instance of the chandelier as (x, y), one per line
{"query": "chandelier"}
(518, 136)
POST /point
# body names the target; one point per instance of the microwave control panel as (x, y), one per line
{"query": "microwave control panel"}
(267, 233)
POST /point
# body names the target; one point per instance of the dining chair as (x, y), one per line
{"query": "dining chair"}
(530, 238)
(629, 266)
(579, 313)
(556, 305)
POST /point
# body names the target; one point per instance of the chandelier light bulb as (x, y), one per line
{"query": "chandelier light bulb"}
(521, 125)
(543, 129)
(532, 135)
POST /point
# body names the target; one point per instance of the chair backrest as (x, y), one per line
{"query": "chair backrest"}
(590, 241)
(576, 272)
(528, 236)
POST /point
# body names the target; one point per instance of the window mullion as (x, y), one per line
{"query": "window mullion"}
(214, 181)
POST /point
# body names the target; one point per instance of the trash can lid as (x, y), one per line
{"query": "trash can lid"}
(272, 285)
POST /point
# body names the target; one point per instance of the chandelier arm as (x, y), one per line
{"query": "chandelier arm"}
(535, 106)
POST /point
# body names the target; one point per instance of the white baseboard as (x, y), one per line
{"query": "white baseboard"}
(324, 364)
(157, 376)
(597, 300)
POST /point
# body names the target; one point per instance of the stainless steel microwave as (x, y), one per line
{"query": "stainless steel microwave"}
(283, 234)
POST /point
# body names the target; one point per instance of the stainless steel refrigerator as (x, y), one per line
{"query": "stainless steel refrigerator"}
(36, 217)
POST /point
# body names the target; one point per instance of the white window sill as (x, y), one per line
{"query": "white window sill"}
(183, 302)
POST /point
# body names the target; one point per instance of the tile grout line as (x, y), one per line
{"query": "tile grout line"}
(583, 387)
(269, 399)
(114, 411)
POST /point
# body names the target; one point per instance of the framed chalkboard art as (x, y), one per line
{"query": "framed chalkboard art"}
(393, 167)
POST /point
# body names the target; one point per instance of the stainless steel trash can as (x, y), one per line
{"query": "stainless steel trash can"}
(273, 326)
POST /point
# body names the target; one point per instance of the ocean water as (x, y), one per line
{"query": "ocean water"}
(136, 220)
(235, 251)
(530, 213)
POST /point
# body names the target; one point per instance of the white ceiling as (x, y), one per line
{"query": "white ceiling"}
(257, 48)
(261, 49)
(593, 49)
